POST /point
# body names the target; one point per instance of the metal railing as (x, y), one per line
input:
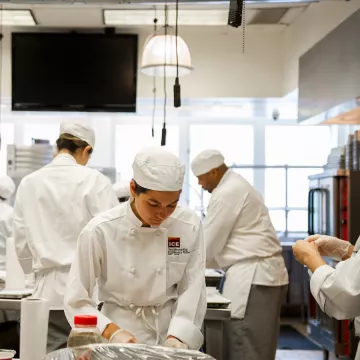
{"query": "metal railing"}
(285, 208)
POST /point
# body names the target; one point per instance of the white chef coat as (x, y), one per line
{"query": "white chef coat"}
(240, 237)
(6, 225)
(337, 291)
(151, 280)
(52, 206)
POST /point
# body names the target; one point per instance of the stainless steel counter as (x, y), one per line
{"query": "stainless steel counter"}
(10, 304)
(213, 326)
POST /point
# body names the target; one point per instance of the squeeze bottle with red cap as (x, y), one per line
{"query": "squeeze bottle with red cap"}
(85, 331)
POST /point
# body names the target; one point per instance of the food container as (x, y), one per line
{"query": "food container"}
(126, 352)
(7, 354)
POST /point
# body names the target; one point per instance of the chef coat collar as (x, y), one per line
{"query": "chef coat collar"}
(133, 218)
(223, 179)
(65, 157)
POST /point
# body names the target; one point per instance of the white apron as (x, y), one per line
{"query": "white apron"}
(148, 322)
(239, 279)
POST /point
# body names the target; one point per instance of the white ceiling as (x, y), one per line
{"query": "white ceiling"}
(92, 16)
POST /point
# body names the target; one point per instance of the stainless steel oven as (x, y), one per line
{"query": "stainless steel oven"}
(333, 209)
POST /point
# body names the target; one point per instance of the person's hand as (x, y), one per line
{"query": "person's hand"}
(307, 253)
(304, 250)
(173, 342)
(122, 337)
(330, 246)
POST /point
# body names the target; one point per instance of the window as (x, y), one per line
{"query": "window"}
(7, 138)
(297, 221)
(292, 148)
(294, 145)
(298, 186)
(236, 142)
(278, 220)
(132, 138)
(41, 131)
(275, 188)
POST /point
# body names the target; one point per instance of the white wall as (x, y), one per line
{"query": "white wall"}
(313, 24)
(221, 69)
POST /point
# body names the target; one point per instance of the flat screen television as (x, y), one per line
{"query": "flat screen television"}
(74, 72)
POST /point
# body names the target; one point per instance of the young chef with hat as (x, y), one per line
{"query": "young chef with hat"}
(241, 239)
(148, 258)
(52, 206)
(7, 189)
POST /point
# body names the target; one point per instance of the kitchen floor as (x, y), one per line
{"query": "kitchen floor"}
(301, 355)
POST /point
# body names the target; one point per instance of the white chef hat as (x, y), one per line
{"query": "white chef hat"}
(206, 161)
(122, 189)
(7, 187)
(156, 168)
(80, 130)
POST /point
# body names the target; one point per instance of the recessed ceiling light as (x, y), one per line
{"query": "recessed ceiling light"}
(146, 17)
(12, 17)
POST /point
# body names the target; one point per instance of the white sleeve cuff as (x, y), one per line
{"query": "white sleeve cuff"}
(103, 322)
(316, 282)
(186, 332)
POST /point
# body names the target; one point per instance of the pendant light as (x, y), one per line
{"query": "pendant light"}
(160, 57)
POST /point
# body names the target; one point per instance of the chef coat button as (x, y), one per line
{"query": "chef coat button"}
(132, 232)
(158, 232)
(158, 271)
(132, 271)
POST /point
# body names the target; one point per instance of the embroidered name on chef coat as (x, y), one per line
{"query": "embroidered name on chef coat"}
(174, 247)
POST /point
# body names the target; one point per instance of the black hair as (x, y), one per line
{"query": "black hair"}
(71, 143)
(139, 189)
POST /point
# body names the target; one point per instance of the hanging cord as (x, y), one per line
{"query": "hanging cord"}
(177, 89)
(1, 72)
(154, 86)
(243, 27)
(163, 133)
(176, 37)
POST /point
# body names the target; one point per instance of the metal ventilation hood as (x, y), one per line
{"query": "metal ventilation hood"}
(329, 77)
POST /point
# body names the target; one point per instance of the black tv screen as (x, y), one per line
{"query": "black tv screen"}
(74, 72)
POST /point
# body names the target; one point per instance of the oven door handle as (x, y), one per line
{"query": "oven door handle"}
(326, 194)
(311, 212)
(311, 208)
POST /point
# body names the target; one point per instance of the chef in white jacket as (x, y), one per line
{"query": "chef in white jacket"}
(148, 257)
(52, 206)
(7, 189)
(241, 239)
(336, 290)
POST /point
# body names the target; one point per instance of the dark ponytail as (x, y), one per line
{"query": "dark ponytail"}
(71, 143)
